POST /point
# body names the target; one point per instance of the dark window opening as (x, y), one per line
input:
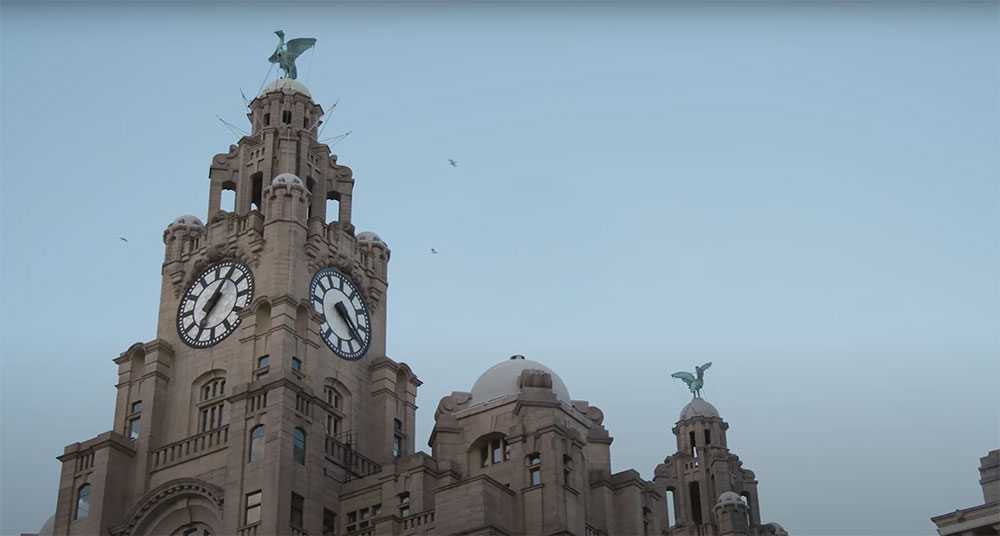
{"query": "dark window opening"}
(286, 117)
(296, 364)
(694, 490)
(305, 122)
(329, 522)
(267, 120)
(708, 437)
(397, 425)
(694, 451)
(299, 447)
(297, 507)
(258, 186)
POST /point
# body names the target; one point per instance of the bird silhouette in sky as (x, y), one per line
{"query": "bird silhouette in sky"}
(434, 251)
(452, 162)
(123, 239)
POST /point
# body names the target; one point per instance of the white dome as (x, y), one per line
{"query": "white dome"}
(500, 380)
(186, 220)
(287, 178)
(48, 527)
(286, 85)
(368, 236)
(698, 408)
(730, 497)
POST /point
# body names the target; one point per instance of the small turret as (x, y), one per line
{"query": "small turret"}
(286, 199)
(732, 515)
(182, 230)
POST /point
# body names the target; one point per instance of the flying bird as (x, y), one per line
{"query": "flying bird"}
(434, 251)
(452, 162)
(123, 239)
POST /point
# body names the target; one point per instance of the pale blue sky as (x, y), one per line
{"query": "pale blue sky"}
(804, 194)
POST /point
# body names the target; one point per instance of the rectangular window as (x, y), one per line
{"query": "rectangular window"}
(297, 507)
(263, 361)
(496, 451)
(286, 117)
(404, 498)
(536, 476)
(506, 451)
(364, 513)
(484, 456)
(253, 508)
(137, 406)
(534, 459)
(397, 425)
(404, 511)
(377, 510)
(708, 437)
(397, 446)
(133, 428)
(296, 364)
(329, 522)
(352, 517)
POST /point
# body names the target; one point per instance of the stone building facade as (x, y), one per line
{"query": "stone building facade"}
(982, 520)
(240, 418)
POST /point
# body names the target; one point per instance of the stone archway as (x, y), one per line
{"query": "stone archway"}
(174, 508)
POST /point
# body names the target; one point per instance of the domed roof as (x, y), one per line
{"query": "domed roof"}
(368, 236)
(730, 497)
(500, 380)
(186, 220)
(698, 408)
(286, 85)
(48, 528)
(288, 178)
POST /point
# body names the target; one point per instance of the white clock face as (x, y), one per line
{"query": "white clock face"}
(346, 325)
(209, 310)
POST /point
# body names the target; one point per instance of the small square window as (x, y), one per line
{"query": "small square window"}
(404, 498)
(296, 364)
(137, 406)
(263, 361)
(534, 459)
(364, 513)
(377, 510)
(404, 511)
(397, 425)
(352, 517)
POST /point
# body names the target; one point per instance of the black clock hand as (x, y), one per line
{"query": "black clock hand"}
(210, 304)
(342, 311)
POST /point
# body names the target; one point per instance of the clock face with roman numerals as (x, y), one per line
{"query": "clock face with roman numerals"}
(346, 325)
(210, 309)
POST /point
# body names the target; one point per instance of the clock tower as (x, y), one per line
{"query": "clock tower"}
(267, 389)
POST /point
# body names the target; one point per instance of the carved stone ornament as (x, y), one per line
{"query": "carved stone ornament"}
(534, 378)
(166, 492)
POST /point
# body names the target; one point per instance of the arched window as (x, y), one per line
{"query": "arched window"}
(257, 186)
(227, 196)
(332, 207)
(299, 447)
(256, 443)
(82, 502)
(671, 508)
(211, 405)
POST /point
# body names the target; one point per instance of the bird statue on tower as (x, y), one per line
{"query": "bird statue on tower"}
(694, 383)
(286, 53)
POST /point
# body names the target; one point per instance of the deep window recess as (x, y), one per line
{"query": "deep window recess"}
(694, 451)
(708, 437)
(297, 507)
(296, 364)
(694, 491)
(397, 446)
(137, 406)
(133, 428)
(267, 120)
(256, 443)
(257, 186)
(329, 523)
(286, 117)
(299, 448)
(82, 502)
(252, 508)
(568, 470)
(534, 469)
